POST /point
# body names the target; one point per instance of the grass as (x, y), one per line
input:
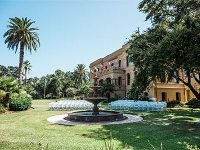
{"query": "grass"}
(25, 130)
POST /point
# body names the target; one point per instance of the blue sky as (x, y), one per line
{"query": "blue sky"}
(71, 31)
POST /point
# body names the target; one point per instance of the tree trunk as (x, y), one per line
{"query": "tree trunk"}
(25, 74)
(189, 85)
(21, 60)
(195, 92)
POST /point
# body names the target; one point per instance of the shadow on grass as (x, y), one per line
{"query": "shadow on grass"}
(172, 128)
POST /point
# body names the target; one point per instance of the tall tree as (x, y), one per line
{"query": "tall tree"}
(27, 67)
(170, 48)
(21, 35)
(80, 75)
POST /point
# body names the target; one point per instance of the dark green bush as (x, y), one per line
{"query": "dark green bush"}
(20, 103)
(194, 103)
(173, 103)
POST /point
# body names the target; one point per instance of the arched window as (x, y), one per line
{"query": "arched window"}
(119, 81)
(164, 96)
(119, 62)
(128, 79)
(101, 82)
(108, 80)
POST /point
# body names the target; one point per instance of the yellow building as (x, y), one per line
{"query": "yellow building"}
(116, 68)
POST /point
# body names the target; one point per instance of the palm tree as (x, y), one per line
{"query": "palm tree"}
(80, 75)
(21, 35)
(27, 67)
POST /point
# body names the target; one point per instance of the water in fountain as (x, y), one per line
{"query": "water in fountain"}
(95, 115)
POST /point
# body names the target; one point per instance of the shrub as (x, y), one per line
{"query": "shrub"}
(2, 95)
(2, 109)
(20, 103)
(71, 92)
(194, 103)
(4, 98)
(173, 103)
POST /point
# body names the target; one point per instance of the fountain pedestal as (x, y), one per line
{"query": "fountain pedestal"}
(95, 115)
(95, 110)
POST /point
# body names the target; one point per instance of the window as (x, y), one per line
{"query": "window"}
(128, 79)
(127, 61)
(108, 80)
(101, 82)
(119, 63)
(119, 81)
(164, 96)
(106, 67)
(178, 96)
(115, 81)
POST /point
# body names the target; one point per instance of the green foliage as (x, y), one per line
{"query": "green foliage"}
(80, 75)
(191, 147)
(171, 45)
(2, 95)
(194, 103)
(85, 88)
(106, 88)
(71, 92)
(22, 35)
(9, 84)
(55, 85)
(139, 85)
(2, 108)
(169, 12)
(20, 103)
(173, 103)
(9, 71)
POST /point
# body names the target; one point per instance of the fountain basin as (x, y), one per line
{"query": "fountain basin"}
(88, 116)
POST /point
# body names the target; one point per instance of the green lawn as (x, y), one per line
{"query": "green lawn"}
(25, 130)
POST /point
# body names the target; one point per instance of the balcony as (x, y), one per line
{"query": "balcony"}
(111, 70)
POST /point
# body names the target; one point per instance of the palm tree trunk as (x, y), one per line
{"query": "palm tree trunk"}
(21, 60)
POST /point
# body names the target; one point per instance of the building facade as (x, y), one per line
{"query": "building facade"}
(116, 69)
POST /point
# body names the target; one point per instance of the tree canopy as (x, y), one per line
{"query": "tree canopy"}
(170, 48)
(22, 35)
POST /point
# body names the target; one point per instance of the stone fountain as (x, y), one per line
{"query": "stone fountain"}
(95, 115)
